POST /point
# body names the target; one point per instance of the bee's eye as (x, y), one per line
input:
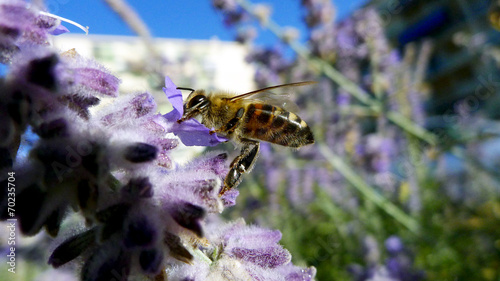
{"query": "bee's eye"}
(199, 101)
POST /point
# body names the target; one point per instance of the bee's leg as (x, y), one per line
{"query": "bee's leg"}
(240, 165)
(229, 128)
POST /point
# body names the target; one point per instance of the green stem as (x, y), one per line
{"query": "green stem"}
(367, 191)
(412, 128)
(350, 87)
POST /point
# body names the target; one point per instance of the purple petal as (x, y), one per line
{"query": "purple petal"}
(175, 98)
(60, 29)
(191, 132)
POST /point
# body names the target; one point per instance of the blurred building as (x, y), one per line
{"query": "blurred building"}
(209, 64)
(466, 52)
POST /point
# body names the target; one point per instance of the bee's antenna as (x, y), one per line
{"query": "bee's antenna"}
(187, 89)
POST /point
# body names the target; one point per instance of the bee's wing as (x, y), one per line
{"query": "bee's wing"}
(283, 100)
(277, 98)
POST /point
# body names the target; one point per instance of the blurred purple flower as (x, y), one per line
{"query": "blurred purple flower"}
(398, 267)
(233, 14)
(370, 28)
(270, 57)
(294, 186)
(308, 182)
(191, 132)
(232, 18)
(381, 150)
(271, 64)
(394, 245)
(264, 77)
(343, 98)
(318, 12)
(246, 35)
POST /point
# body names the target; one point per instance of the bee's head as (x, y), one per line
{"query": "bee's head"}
(196, 103)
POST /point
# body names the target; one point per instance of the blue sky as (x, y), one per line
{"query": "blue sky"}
(188, 19)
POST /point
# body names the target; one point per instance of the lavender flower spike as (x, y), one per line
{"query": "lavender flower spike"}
(191, 132)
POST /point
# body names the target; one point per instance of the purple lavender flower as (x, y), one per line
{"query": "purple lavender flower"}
(71, 80)
(241, 252)
(144, 214)
(21, 26)
(52, 25)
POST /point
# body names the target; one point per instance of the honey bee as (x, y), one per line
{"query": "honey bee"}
(246, 120)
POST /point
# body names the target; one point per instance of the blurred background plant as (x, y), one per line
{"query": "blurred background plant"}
(402, 183)
(388, 165)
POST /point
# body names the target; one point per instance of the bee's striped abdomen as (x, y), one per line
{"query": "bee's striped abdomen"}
(276, 125)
